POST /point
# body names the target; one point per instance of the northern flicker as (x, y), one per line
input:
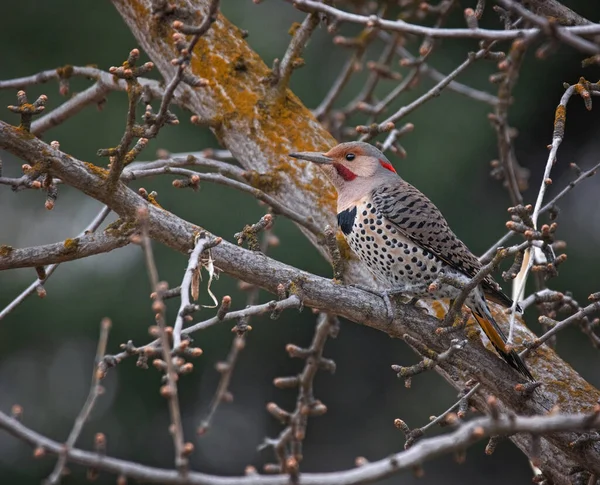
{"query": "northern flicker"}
(403, 237)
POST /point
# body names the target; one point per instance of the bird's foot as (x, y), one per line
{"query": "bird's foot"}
(383, 294)
(406, 290)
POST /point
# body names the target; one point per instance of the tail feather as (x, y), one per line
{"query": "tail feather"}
(498, 340)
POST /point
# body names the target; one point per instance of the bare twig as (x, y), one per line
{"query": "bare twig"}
(557, 137)
(481, 275)
(291, 59)
(515, 176)
(485, 257)
(437, 76)
(432, 93)
(198, 159)
(96, 222)
(273, 306)
(288, 446)
(277, 206)
(336, 88)
(386, 57)
(558, 326)
(95, 94)
(440, 418)
(96, 390)
(169, 390)
(429, 361)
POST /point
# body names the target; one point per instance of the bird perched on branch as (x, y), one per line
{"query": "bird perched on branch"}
(403, 237)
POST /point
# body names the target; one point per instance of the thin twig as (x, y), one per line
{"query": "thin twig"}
(584, 175)
(454, 85)
(481, 275)
(557, 137)
(277, 206)
(288, 446)
(432, 93)
(336, 88)
(451, 409)
(294, 50)
(584, 312)
(170, 389)
(96, 390)
(366, 93)
(92, 95)
(272, 306)
(198, 159)
(511, 171)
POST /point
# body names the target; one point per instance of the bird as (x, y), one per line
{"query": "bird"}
(404, 239)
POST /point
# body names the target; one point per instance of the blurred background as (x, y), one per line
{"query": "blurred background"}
(47, 345)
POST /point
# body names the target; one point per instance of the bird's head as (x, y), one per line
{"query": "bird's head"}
(352, 165)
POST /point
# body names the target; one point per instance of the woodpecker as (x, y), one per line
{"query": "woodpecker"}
(403, 237)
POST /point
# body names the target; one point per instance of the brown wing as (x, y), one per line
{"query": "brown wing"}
(415, 216)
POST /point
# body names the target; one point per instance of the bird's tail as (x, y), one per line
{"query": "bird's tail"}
(496, 336)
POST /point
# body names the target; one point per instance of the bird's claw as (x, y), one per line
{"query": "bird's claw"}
(384, 295)
(407, 291)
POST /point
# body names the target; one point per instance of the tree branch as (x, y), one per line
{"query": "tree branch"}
(67, 250)
(436, 33)
(426, 449)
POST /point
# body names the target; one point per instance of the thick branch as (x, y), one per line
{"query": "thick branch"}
(553, 8)
(67, 250)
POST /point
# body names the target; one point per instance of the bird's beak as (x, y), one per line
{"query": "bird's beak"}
(314, 157)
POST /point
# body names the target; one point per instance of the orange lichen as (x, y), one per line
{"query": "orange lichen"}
(273, 119)
(293, 28)
(560, 117)
(71, 244)
(101, 172)
(236, 77)
(5, 250)
(439, 309)
(267, 182)
(153, 201)
(64, 72)
(582, 88)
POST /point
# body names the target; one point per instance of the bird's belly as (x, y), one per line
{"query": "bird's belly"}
(395, 259)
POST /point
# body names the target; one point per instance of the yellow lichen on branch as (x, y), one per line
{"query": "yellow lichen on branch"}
(246, 112)
(239, 89)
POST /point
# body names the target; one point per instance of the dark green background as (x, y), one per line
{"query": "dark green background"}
(47, 346)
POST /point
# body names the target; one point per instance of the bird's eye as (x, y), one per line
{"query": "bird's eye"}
(350, 157)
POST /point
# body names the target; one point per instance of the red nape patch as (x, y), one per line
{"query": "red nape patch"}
(344, 172)
(387, 166)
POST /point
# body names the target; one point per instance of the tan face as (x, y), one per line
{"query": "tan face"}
(351, 162)
(353, 167)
